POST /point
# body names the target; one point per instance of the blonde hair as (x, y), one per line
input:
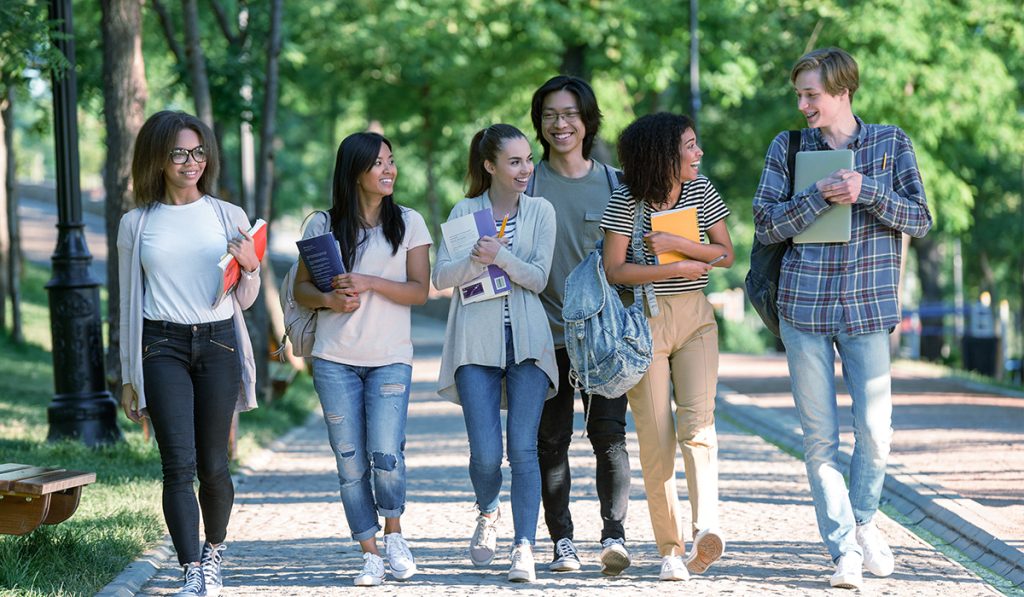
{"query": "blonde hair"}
(838, 69)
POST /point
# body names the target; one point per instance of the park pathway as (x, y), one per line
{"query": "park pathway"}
(288, 534)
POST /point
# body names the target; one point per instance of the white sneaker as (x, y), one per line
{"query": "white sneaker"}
(372, 573)
(673, 568)
(523, 568)
(211, 563)
(878, 558)
(567, 558)
(705, 550)
(847, 574)
(614, 557)
(400, 559)
(485, 539)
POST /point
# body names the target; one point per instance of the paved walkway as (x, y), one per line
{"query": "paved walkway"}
(288, 534)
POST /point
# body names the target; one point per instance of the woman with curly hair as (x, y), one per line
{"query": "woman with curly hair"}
(661, 165)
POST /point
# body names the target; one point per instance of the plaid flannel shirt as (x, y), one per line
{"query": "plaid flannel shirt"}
(831, 288)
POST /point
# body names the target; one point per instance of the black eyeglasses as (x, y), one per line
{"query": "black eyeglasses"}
(179, 155)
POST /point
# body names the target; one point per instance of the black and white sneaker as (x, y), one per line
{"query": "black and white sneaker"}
(195, 583)
(211, 568)
(567, 559)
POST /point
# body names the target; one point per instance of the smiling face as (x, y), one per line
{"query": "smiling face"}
(689, 156)
(379, 180)
(562, 126)
(510, 171)
(821, 109)
(185, 176)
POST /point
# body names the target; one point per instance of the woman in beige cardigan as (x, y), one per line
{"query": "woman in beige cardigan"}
(186, 360)
(498, 353)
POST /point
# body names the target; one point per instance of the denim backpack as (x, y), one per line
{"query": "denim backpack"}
(762, 281)
(609, 345)
(299, 322)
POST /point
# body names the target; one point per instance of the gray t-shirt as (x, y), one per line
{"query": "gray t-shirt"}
(579, 204)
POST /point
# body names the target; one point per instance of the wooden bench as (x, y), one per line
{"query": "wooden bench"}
(31, 496)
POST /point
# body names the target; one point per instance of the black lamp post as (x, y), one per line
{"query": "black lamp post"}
(82, 408)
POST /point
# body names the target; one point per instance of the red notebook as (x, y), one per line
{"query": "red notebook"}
(229, 265)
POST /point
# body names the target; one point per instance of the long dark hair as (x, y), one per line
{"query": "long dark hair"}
(153, 146)
(590, 114)
(485, 146)
(649, 153)
(356, 155)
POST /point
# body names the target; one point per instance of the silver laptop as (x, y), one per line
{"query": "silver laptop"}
(833, 225)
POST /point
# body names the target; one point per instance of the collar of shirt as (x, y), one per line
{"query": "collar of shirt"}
(862, 139)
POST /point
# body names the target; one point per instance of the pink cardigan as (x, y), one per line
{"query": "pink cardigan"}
(130, 273)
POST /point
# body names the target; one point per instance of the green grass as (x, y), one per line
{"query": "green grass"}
(120, 515)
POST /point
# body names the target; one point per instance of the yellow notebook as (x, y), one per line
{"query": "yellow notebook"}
(680, 222)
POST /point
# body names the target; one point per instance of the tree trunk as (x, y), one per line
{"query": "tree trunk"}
(200, 86)
(124, 101)
(264, 187)
(929, 266)
(10, 186)
(6, 198)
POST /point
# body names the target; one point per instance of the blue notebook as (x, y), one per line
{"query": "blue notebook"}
(322, 257)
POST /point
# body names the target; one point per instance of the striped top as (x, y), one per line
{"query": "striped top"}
(699, 193)
(831, 288)
(510, 234)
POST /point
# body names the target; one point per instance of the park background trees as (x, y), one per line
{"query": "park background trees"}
(430, 73)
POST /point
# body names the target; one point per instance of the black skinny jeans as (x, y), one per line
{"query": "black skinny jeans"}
(606, 429)
(192, 377)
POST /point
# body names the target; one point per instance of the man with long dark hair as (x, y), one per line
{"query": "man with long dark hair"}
(566, 118)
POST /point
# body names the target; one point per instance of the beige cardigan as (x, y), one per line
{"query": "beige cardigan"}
(475, 332)
(131, 280)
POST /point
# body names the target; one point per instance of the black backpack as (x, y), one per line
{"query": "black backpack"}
(762, 281)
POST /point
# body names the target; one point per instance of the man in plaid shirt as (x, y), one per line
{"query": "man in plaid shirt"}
(842, 296)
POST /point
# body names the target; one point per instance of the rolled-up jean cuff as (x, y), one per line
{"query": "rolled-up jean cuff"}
(364, 535)
(391, 513)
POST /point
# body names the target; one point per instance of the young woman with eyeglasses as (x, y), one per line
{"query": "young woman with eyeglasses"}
(186, 363)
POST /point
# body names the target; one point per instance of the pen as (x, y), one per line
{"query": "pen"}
(504, 221)
(717, 259)
(885, 157)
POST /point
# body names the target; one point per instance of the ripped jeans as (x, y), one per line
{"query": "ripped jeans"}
(366, 409)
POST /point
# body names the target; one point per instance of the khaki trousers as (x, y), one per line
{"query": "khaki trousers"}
(685, 360)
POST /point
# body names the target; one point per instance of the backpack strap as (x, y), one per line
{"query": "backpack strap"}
(637, 242)
(614, 176)
(791, 151)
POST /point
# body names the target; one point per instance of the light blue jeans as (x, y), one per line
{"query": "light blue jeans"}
(366, 409)
(865, 359)
(526, 386)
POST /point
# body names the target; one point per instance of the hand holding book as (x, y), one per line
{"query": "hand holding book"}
(244, 252)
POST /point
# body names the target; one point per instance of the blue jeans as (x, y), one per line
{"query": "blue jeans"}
(366, 409)
(865, 359)
(526, 387)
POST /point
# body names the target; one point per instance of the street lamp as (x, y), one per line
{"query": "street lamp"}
(82, 408)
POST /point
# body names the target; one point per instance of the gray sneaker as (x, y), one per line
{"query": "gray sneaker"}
(210, 562)
(614, 556)
(485, 539)
(195, 584)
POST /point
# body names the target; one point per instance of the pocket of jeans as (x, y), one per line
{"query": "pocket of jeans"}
(222, 345)
(147, 350)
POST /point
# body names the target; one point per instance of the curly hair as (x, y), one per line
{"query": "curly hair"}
(649, 153)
